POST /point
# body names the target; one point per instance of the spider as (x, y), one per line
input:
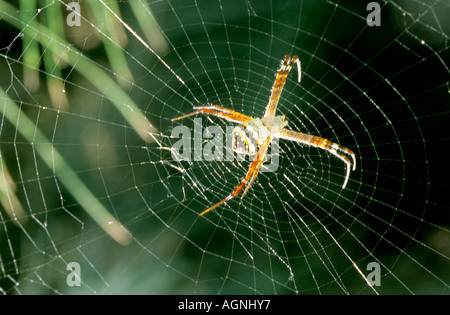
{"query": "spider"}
(254, 135)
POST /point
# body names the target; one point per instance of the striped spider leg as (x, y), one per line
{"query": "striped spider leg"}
(280, 80)
(249, 178)
(253, 133)
(218, 111)
(313, 141)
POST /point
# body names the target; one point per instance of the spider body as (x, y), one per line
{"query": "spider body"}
(254, 135)
(246, 140)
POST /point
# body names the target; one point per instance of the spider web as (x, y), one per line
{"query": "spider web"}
(88, 176)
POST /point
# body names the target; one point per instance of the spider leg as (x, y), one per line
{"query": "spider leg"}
(218, 111)
(258, 160)
(333, 148)
(280, 80)
(249, 178)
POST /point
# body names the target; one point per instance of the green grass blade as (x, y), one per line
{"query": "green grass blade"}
(113, 40)
(52, 62)
(86, 67)
(149, 26)
(48, 153)
(30, 48)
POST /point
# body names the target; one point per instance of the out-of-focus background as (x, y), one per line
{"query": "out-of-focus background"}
(87, 93)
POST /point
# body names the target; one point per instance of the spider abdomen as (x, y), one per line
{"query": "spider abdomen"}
(248, 137)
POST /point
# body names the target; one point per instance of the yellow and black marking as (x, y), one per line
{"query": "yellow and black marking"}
(250, 136)
(243, 142)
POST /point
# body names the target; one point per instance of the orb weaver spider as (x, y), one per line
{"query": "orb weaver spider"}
(259, 132)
